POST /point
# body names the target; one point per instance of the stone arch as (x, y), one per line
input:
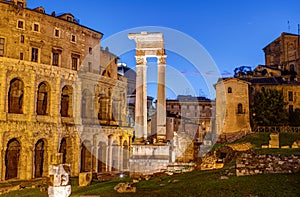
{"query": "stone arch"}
(66, 101)
(43, 99)
(102, 157)
(115, 156)
(40, 158)
(86, 156)
(12, 157)
(125, 155)
(16, 96)
(86, 104)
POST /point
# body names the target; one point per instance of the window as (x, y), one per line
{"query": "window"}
(240, 108)
(20, 4)
(55, 58)
(21, 56)
(34, 54)
(36, 27)
(90, 50)
(22, 40)
(291, 108)
(290, 95)
(75, 59)
(90, 67)
(229, 90)
(73, 38)
(56, 33)
(66, 101)
(16, 96)
(69, 18)
(42, 103)
(20, 24)
(1, 47)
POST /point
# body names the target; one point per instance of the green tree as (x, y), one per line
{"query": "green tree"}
(268, 108)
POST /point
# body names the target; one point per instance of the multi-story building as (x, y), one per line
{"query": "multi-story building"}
(234, 95)
(59, 93)
(191, 115)
(190, 120)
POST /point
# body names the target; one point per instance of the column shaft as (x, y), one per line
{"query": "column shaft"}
(161, 101)
(141, 101)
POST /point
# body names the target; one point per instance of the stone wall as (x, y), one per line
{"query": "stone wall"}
(250, 164)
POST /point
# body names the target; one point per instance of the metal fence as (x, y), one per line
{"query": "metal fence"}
(277, 129)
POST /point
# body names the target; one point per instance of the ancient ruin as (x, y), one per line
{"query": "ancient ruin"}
(149, 158)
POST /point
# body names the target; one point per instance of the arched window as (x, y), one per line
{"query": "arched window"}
(103, 101)
(12, 157)
(86, 156)
(66, 101)
(229, 90)
(39, 158)
(42, 104)
(240, 108)
(16, 96)
(63, 150)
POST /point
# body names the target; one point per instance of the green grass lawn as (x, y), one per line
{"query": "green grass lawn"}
(197, 183)
(203, 183)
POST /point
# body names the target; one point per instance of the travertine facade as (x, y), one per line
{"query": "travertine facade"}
(58, 95)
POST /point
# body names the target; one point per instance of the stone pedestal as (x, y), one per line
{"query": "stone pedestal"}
(149, 159)
(274, 141)
(59, 180)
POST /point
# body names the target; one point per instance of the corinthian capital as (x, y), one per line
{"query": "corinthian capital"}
(161, 60)
(140, 60)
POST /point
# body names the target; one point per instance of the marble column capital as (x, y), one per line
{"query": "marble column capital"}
(141, 60)
(161, 60)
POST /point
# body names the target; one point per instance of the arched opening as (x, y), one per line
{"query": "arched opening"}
(115, 156)
(86, 104)
(229, 90)
(240, 108)
(125, 155)
(43, 99)
(103, 113)
(66, 101)
(101, 157)
(63, 150)
(12, 157)
(86, 157)
(39, 152)
(16, 96)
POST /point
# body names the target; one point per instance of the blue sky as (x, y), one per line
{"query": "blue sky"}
(232, 32)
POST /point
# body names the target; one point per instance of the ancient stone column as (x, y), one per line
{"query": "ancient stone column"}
(161, 100)
(141, 100)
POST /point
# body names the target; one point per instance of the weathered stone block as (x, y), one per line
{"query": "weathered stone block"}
(61, 191)
(85, 178)
(274, 141)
